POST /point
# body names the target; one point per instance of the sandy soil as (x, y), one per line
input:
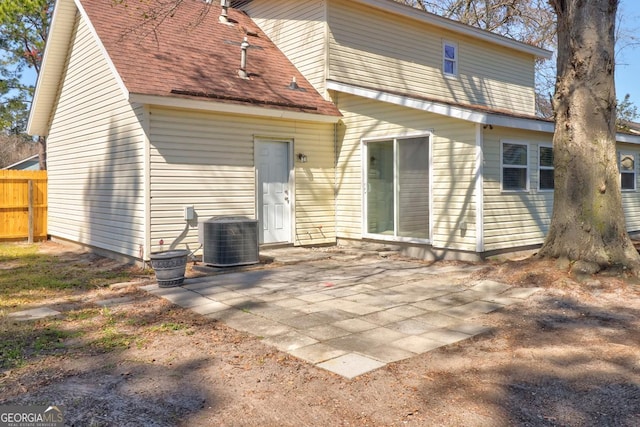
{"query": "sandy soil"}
(569, 356)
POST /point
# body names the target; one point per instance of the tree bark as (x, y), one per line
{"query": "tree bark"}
(42, 152)
(588, 222)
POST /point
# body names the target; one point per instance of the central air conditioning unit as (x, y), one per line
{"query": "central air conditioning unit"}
(229, 241)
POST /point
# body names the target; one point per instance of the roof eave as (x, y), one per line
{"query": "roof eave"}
(230, 108)
(52, 68)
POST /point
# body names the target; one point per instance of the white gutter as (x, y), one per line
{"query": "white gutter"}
(221, 107)
(456, 112)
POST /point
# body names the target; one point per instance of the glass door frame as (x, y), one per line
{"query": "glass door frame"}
(364, 150)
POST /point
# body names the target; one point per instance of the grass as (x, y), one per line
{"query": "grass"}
(25, 341)
(28, 277)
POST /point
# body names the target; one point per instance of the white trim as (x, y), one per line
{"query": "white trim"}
(527, 166)
(452, 111)
(621, 153)
(61, 27)
(291, 183)
(552, 168)
(19, 162)
(479, 181)
(220, 107)
(146, 127)
(455, 62)
(394, 139)
(454, 26)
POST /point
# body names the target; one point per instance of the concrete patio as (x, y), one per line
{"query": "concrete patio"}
(344, 312)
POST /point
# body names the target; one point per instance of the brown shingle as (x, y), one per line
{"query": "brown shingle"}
(180, 49)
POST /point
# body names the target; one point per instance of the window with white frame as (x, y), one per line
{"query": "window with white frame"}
(545, 168)
(515, 169)
(627, 165)
(450, 59)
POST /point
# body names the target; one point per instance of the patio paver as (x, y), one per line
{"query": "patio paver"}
(349, 317)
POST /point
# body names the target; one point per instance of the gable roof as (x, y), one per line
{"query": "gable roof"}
(184, 53)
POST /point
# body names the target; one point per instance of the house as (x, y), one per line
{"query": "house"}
(326, 120)
(31, 163)
(439, 150)
(146, 118)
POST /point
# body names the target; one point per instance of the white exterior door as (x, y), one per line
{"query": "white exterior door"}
(274, 198)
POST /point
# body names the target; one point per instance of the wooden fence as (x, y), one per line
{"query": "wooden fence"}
(23, 205)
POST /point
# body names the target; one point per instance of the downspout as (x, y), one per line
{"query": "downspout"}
(479, 181)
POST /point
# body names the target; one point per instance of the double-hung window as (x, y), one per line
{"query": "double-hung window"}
(545, 168)
(515, 166)
(627, 165)
(450, 59)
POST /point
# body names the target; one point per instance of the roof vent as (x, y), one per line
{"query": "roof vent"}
(242, 72)
(294, 85)
(224, 18)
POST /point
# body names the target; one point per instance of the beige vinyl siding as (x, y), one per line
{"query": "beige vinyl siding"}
(519, 218)
(390, 53)
(453, 161)
(631, 199)
(299, 31)
(95, 156)
(206, 160)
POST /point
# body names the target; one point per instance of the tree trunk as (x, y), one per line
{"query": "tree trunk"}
(42, 152)
(588, 222)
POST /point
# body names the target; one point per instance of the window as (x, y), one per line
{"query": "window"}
(627, 167)
(515, 160)
(545, 167)
(450, 59)
(397, 188)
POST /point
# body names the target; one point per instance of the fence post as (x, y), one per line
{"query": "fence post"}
(30, 183)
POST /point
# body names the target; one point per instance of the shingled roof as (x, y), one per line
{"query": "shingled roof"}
(181, 49)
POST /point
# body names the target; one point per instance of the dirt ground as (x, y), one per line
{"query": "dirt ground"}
(568, 356)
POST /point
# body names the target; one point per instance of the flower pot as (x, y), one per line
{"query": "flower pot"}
(170, 267)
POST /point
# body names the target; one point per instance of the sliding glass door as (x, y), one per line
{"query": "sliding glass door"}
(397, 188)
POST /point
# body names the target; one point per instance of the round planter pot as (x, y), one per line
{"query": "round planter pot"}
(170, 267)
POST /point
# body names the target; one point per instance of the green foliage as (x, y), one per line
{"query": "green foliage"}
(627, 114)
(24, 26)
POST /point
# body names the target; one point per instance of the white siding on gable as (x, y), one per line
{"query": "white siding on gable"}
(299, 31)
(206, 160)
(385, 52)
(95, 156)
(453, 152)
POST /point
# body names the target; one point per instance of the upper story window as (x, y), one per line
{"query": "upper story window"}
(545, 168)
(515, 166)
(450, 59)
(627, 165)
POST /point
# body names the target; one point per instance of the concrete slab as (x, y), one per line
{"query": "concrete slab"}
(417, 344)
(520, 293)
(445, 336)
(471, 310)
(316, 353)
(490, 286)
(351, 365)
(354, 325)
(326, 332)
(210, 307)
(33, 314)
(290, 341)
(388, 354)
(346, 317)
